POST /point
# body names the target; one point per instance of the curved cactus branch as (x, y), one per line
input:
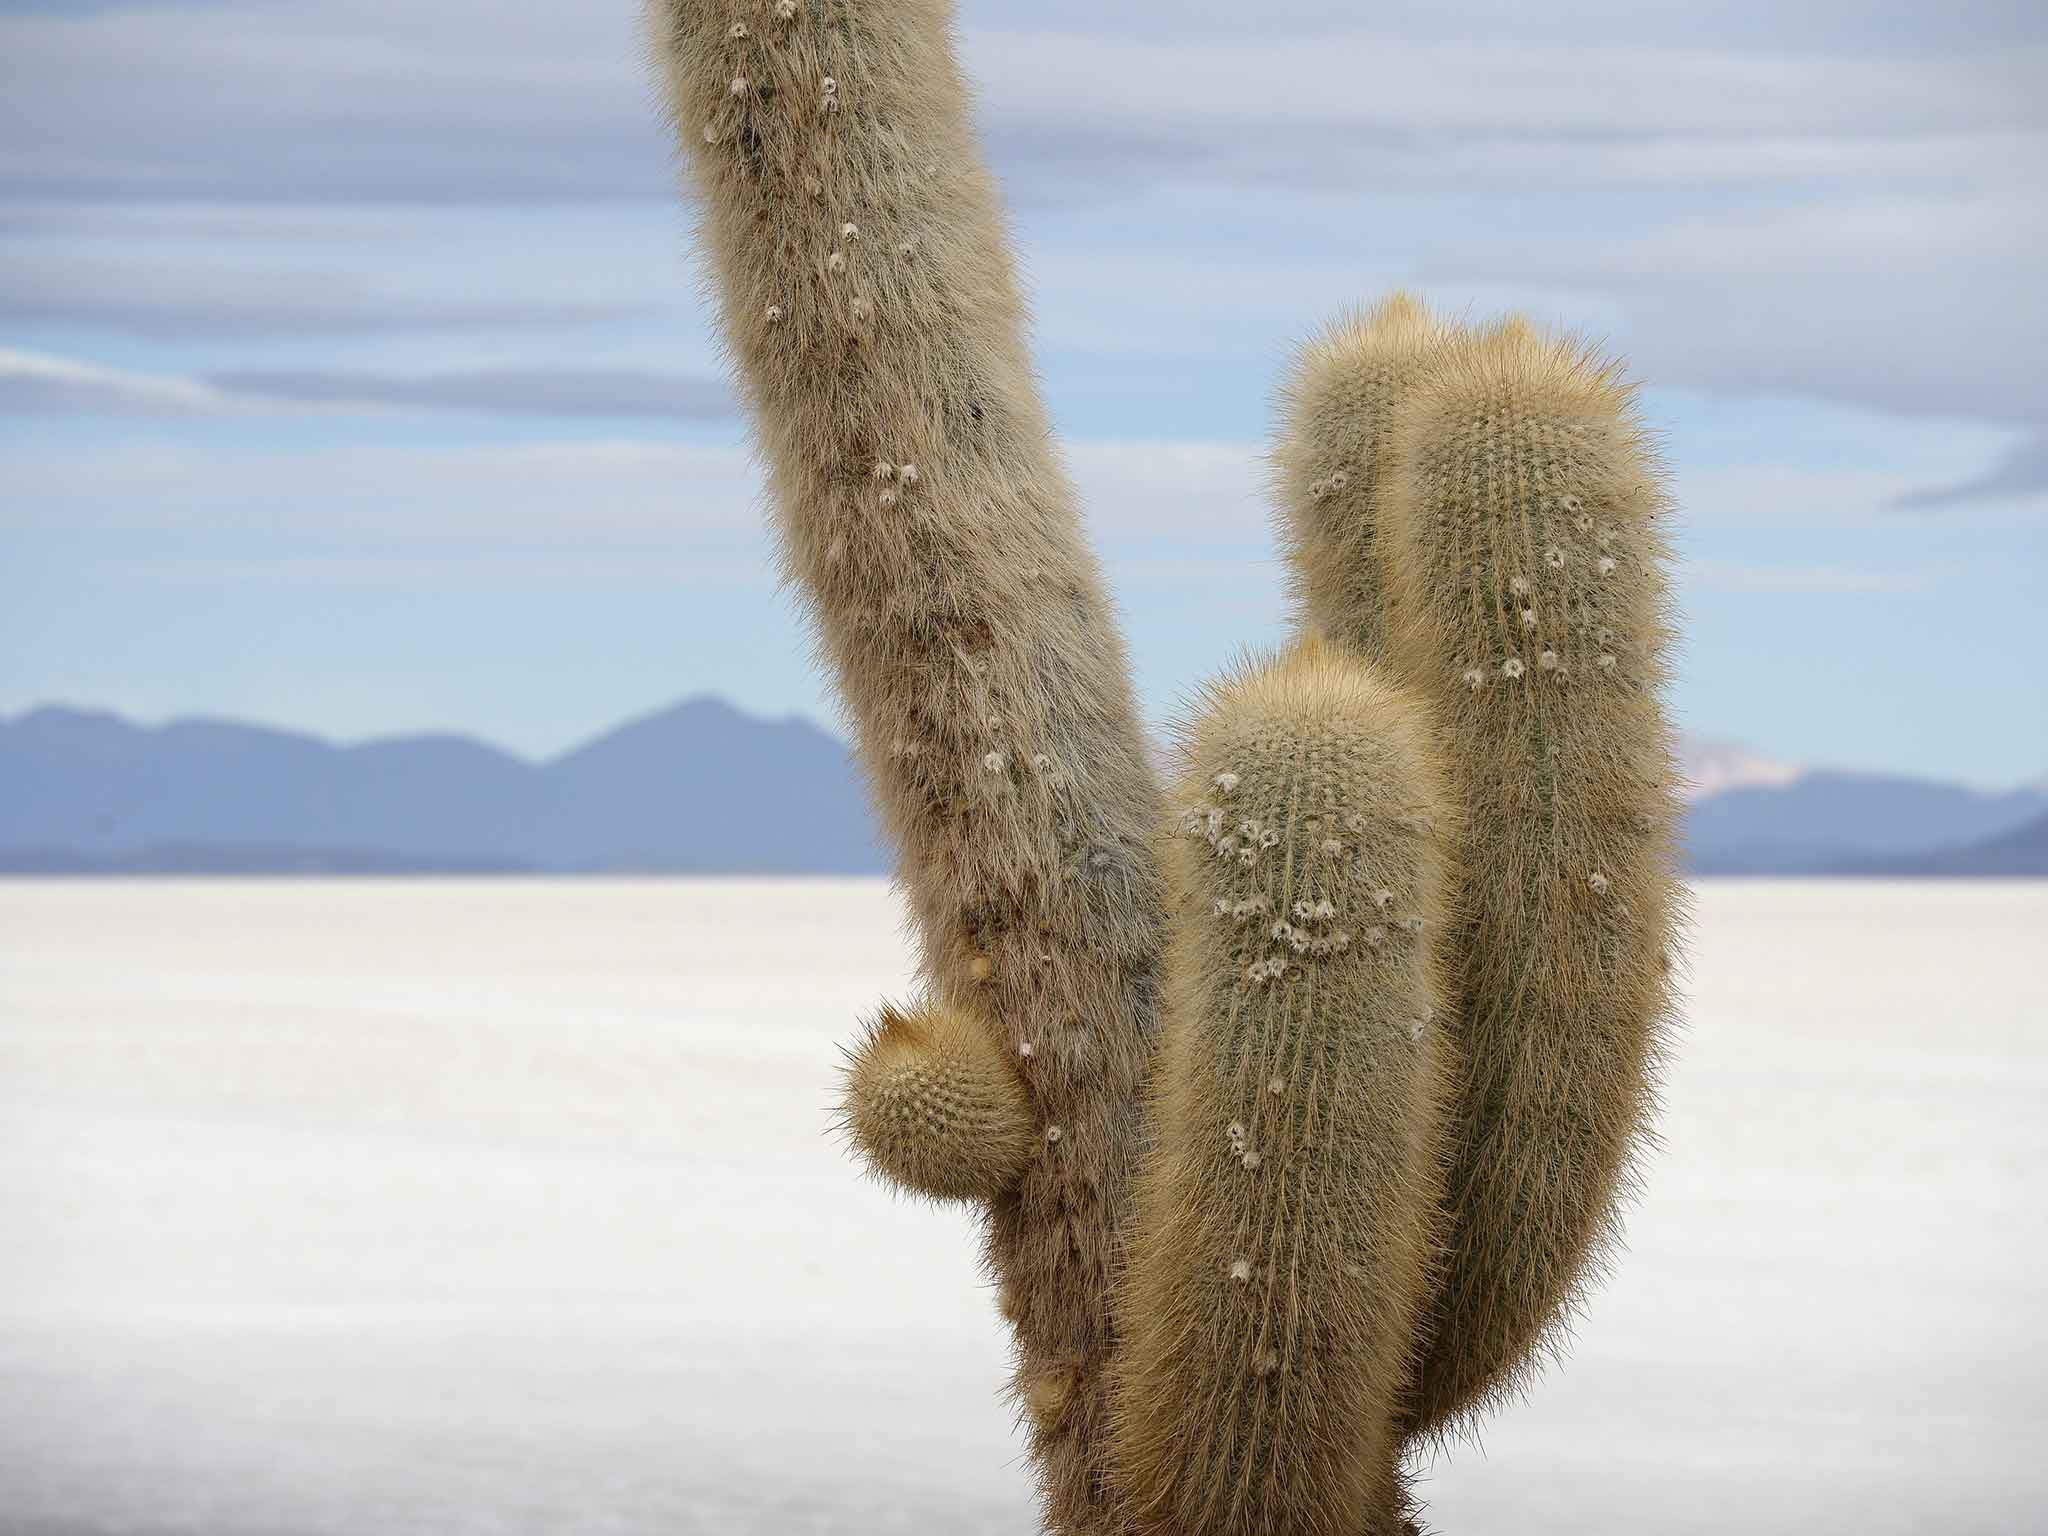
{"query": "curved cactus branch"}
(1526, 557)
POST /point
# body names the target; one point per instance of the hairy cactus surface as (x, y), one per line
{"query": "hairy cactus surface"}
(1330, 462)
(1522, 526)
(1294, 1156)
(876, 331)
(1285, 1226)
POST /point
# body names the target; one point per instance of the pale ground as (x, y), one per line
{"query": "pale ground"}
(507, 1207)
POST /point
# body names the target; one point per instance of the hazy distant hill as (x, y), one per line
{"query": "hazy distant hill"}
(698, 788)
(1826, 822)
(2020, 852)
(703, 788)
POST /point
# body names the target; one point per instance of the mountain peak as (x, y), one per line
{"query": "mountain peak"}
(65, 717)
(1713, 767)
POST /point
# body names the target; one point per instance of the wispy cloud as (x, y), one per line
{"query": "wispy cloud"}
(604, 393)
(566, 492)
(44, 384)
(1138, 493)
(32, 382)
(1848, 579)
(2021, 474)
(197, 298)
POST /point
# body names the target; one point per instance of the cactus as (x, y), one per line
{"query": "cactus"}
(1284, 1228)
(877, 335)
(1521, 529)
(1211, 1332)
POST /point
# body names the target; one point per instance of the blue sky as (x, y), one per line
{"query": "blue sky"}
(354, 375)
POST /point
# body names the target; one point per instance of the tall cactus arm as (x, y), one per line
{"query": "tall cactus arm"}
(1523, 526)
(860, 265)
(1287, 1220)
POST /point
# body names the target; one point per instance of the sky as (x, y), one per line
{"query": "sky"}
(355, 373)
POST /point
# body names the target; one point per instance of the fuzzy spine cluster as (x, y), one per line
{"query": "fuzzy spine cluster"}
(1285, 1225)
(877, 335)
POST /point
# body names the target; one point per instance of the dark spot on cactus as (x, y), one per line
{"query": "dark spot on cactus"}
(749, 144)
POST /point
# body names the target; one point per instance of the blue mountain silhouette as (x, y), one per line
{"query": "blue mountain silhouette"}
(697, 788)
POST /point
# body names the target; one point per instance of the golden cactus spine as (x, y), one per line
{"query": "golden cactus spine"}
(867, 302)
(1524, 554)
(1285, 1224)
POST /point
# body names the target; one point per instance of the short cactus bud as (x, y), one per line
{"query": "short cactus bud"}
(933, 1106)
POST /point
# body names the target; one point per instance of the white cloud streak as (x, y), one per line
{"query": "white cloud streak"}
(33, 382)
(39, 383)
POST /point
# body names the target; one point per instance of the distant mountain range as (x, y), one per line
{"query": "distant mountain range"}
(697, 789)
(1752, 815)
(701, 788)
